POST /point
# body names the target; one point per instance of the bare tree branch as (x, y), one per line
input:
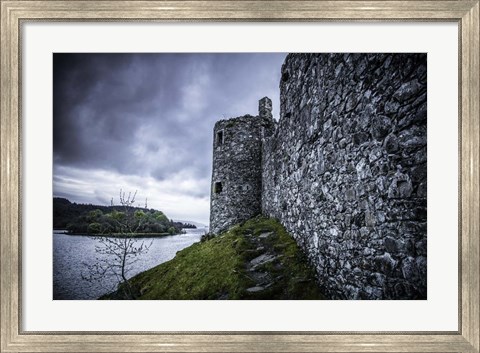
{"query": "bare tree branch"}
(117, 255)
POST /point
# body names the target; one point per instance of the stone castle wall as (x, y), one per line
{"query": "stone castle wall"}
(344, 170)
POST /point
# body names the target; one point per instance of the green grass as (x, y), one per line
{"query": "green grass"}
(218, 268)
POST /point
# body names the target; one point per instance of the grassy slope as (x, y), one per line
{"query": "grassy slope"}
(220, 268)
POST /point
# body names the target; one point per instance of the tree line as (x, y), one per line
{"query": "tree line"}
(111, 220)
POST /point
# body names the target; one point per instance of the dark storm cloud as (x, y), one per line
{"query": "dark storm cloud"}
(152, 115)
(111, 110)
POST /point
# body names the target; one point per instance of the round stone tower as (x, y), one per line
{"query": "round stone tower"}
(236, 194)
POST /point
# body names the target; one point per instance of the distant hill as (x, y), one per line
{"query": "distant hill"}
(196, 224)
(65, 212)
(97, 219)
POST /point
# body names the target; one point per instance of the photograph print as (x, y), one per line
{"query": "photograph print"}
(239, 176)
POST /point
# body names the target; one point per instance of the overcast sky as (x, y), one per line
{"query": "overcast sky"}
(144, 122)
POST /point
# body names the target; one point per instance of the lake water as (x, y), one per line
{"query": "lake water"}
(71, 252)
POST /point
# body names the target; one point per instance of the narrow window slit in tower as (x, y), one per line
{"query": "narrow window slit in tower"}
(220, 138)
(218, 187)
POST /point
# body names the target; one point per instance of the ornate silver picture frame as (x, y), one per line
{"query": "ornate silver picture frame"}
(15, 339)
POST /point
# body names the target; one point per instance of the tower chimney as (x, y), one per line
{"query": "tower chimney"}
(265, 108)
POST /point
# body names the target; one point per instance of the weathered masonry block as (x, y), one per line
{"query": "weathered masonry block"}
(344, 170)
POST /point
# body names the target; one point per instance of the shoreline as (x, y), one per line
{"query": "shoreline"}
(119, 235)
